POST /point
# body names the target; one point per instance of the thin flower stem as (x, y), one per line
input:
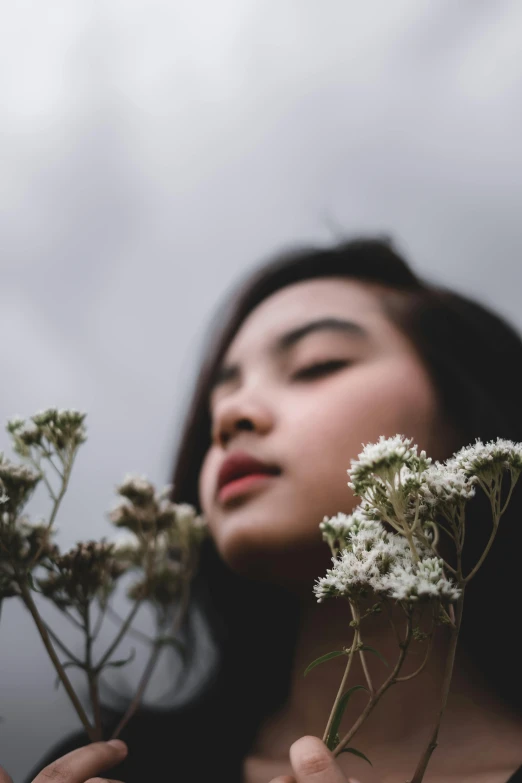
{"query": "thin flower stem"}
(99, 622)
(372, 702)
(394, 628)
(514, 480)
(28, 601)
(151, 664)
(119, 636)
(56, 639)
(113, 614)
(58, 471)
(57, 501)
(418, 671)
(450, 662)
(72, 618)
(366, 670)
(357, 618)
(484, 553)
(344, 678)
(144, 680)
(92, 674)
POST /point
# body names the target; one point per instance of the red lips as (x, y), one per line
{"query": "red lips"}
(240, 464)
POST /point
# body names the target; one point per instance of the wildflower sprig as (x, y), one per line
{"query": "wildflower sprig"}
(388, 550)
(156, 541)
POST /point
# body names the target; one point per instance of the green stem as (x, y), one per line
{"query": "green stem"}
(119, 636)
(485, 552)
(344, 678)
(29, 603)
(92, 675)
(514, 480)
(113, 614)
(151, 664)
(57, 501)
(450, 662)
(357, 618)
(374, 700)
(62, 646)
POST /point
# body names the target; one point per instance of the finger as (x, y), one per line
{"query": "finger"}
(283, 779)
(4, 776)
(83, 763)
(103, 780)
(312, 762)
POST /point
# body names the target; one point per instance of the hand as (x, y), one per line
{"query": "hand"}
(312, 762)
(80, 765)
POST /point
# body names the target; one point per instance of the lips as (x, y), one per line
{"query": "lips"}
(240, 464)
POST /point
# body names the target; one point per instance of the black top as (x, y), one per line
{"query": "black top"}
(159, 751)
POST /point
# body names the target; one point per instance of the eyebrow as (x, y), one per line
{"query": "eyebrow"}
(284, 342)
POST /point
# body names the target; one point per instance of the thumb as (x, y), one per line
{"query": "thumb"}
(312, 762)
(4, 776)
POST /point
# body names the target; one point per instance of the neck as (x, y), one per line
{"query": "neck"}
(401, 723)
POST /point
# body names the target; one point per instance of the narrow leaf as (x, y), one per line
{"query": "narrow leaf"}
(122, 661)
(339, 712)
(322, 659)
(366, 648)
(357, 753)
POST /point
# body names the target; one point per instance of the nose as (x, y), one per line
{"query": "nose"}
(238, 414)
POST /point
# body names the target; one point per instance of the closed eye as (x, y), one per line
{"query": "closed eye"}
(320, 368)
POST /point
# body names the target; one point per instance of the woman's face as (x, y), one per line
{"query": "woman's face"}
(315, 371)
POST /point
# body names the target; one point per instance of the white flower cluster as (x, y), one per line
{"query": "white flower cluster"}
(446, 484)
(382, 562)
(485, 460)
(384, 460)
(336, 530)
(408, 581)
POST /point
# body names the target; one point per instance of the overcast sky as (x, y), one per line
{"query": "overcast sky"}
(153, 151)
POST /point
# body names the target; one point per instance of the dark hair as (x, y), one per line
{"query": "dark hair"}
(474, 359)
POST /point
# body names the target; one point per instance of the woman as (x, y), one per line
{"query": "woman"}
(324, 350)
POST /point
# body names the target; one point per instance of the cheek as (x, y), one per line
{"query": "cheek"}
(331, 427)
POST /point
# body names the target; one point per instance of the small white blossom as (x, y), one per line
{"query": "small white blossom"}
(384, 460)
(446, 484)
(485, 459)
(336, 530)
(408, 581)
(382, 562)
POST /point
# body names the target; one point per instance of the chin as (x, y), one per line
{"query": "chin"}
(261, 553)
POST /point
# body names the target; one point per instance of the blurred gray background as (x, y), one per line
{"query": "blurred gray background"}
(153, 151)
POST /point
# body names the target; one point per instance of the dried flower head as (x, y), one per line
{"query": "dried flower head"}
(47, 430)
(137, 489)
(24, 547)
(18, 483)
(89, 570)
